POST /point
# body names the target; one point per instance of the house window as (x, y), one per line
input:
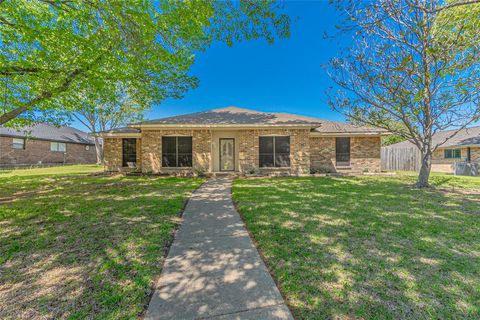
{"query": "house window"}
(453, 153)
(18, 144)
(58, 146)
(87, 148)
(274, 151)
(177, 151)
(129, 152)
(342, 151)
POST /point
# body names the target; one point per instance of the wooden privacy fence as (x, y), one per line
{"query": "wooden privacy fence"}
(403, 159)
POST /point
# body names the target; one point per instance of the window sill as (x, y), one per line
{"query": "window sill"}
(274, 168)
(177, 168)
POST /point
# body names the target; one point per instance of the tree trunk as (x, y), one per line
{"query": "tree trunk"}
(99, 149)
(426, 166)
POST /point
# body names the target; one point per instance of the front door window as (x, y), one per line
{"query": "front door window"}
(227, 154)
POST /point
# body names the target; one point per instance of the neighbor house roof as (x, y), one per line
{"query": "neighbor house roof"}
(44, 131)
(465, 137)
(233, 116)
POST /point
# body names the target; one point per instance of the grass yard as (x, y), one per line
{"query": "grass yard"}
(76, 245)
(369, 247)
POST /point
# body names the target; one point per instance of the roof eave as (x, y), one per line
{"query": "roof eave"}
(91, 143)
(120, 134)
(348, 134)
(459, 146)
(213, 126)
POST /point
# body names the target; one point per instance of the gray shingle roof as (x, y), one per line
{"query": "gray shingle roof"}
(44, 131)
(465, 137)
(240, 116)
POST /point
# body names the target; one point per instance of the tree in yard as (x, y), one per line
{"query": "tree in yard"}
(413, 63)
(50, 50)
(102, 112)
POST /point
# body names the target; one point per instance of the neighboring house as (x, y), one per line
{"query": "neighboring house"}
(243, 141)
(45, 144)
(464, 146)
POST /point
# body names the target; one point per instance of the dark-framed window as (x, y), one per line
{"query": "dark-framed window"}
(274, 151)
(342, 151)
(177, 151)
(129, 152)
(18, 143)
(452, 153)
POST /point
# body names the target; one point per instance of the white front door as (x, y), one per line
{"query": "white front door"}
(227, 154)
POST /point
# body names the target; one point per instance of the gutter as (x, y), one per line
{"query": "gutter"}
(49, 140)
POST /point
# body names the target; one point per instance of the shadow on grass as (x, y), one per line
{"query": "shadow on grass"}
(367, 247)
(84, 246)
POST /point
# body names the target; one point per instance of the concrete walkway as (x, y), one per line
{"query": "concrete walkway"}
(213, 270)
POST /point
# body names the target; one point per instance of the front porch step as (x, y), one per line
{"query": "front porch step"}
(222, 174)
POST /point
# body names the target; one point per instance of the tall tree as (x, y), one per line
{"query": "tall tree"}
(102, 112)
(51, 48)
(413, 62)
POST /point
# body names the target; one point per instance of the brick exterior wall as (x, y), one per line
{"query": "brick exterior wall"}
(299, 150)
(112, 153)
(440, 164)
(113, 157)
(152, 150)
(305, 151)
(39, 151)
(364, 154)
(322, 152)
(475, 153)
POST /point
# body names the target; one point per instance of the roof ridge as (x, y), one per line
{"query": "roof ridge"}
(466, 128)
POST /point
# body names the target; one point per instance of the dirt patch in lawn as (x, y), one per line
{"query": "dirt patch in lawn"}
(89, 247)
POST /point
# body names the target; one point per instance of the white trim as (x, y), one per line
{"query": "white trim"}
(459, 146)
(120, 135)
(239, 127)
(212, 126)
(347, 134)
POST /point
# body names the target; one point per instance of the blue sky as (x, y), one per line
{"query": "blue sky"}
(284, 77)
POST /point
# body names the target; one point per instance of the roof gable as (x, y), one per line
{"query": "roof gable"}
(234, 115)
(240, 116)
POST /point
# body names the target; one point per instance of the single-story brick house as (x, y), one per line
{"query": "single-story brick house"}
(242, 141)
(464, 146)
(45, 144)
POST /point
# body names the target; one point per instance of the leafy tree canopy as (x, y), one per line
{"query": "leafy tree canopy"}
(53, 48)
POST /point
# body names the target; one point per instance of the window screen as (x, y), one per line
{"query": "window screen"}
(58, 146)
(129, 152)
(453, 154)
(274, 151)
(177, 151)
(18, 143)
(342, 151)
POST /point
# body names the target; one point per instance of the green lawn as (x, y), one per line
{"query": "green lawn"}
(79, 245)
(369, 247)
